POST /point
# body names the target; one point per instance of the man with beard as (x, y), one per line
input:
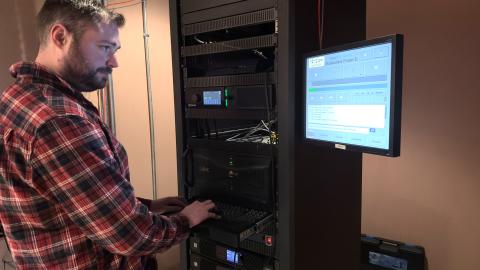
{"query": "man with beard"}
(65, 197)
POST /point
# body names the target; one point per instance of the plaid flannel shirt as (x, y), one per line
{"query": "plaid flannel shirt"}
(65, 197)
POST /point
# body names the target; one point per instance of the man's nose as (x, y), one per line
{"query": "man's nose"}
(112, 61)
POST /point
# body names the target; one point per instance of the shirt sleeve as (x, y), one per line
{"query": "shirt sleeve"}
(147, 202)
(72, 161)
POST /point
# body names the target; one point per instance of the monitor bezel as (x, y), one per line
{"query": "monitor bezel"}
(395, 100)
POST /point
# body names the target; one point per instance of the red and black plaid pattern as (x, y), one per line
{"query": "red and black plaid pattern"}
(65, 197)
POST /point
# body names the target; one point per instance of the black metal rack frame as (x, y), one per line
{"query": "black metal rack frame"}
(317, 191)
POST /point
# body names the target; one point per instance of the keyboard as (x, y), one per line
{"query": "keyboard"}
(235, 224)
(235, 213)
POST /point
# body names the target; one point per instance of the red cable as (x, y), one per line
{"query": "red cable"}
(119, 3)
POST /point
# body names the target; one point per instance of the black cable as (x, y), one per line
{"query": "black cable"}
(320, 19)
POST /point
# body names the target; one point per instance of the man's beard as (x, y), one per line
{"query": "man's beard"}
(79, 75)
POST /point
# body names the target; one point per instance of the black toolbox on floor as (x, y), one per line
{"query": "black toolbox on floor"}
(380, 254)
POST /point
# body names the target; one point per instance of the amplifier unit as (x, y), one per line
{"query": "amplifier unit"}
(244, 180)
(229, 102)
(207, 255)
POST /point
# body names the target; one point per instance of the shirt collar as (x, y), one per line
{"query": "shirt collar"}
(34, 72)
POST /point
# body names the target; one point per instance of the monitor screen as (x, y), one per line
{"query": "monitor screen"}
(353, 96)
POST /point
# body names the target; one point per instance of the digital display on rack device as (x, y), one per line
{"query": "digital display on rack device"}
(212, 98)
(232, 256)
(353, 96)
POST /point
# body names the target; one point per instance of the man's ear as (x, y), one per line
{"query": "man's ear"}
(59, 35)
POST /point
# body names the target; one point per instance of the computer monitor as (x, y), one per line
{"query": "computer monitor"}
(353, 96)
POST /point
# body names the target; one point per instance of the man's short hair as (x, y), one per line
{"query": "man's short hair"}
(75, 15)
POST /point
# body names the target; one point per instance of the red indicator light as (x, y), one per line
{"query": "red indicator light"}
(268, 240)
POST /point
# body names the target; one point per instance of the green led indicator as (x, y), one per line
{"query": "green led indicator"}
(226, 97)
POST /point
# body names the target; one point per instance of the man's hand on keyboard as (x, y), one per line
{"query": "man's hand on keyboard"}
(168, 205)
(197, 212)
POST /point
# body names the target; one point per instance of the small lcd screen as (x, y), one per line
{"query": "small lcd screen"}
(212, 98)
(232, 256)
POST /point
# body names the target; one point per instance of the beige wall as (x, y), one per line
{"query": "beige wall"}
(17, 36)
(431, 195)
(131, 105)
(131, 98)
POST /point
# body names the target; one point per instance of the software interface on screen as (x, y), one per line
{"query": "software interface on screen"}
(348, 96)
